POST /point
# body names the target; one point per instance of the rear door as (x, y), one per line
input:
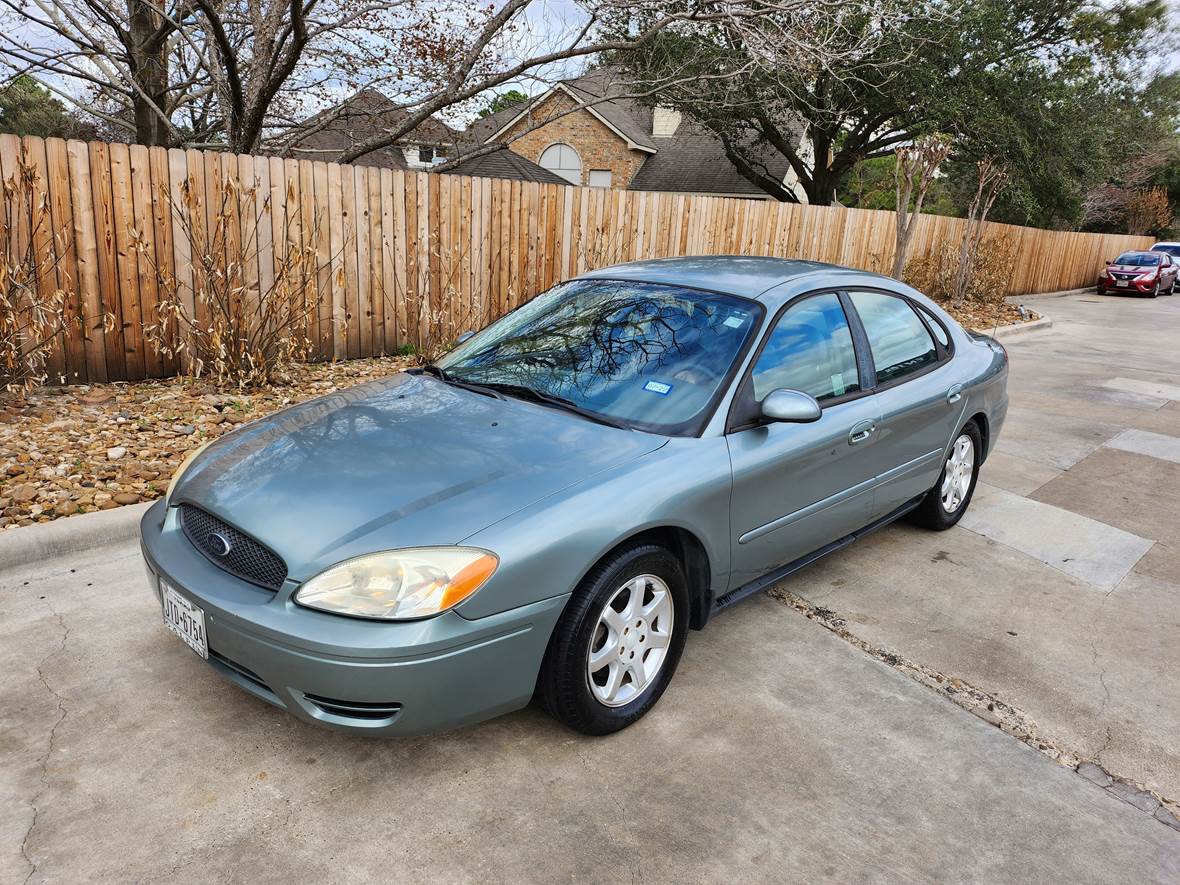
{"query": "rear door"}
(797, 487)
(920, 402)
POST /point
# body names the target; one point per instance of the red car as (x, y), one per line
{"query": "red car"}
(1141, 273)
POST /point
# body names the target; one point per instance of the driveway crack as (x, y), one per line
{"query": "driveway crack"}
(43, 761)
(1004, 716)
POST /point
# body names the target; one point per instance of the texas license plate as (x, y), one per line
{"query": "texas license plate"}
(185, 620)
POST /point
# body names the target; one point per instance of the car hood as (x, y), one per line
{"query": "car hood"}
(401, 462)
(1131, 268)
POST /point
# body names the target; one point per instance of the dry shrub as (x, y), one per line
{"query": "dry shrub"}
(438, 327)
(228, 322)
(1148, 211)
(33, 312)
(935, 274)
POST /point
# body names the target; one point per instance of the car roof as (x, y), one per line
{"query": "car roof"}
(749, 276)
(1165, 243)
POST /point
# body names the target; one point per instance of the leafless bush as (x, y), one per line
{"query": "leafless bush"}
(916, 166)
(452, 313)
(935, 275)
(32, 304)
(1147, 211)
(239, 326)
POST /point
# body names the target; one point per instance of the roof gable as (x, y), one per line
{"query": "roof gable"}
(603, 111)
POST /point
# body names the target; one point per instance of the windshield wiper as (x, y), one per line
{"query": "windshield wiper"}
(523, 391)
(447, 378)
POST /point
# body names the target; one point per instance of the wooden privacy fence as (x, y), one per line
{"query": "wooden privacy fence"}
(407, 256)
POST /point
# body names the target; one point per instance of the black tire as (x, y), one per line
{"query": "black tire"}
(1155, 291)
(1171, 289)
(563, 686)
(932, 513)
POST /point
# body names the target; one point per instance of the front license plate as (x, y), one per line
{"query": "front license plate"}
(1122, 283)
(185, 620)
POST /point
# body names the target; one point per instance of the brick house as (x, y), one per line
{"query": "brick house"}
(576, 131)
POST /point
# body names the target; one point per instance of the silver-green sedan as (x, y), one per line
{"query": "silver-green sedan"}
(548, 510)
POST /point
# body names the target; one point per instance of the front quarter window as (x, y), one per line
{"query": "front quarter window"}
(652, 355)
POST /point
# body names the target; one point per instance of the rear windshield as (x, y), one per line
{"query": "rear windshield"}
(1138, 259)
(1170, 249)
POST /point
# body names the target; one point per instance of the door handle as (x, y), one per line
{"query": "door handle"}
(954, 394)
(862, 431)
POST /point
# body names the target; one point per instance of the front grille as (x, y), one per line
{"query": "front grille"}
(368, 710)
(1118, 275)
(245, 558)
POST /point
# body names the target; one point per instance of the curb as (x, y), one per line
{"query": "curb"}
(69, 535)
(1015, 329)
(1020, 299)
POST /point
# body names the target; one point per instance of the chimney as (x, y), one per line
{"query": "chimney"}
(664, 122)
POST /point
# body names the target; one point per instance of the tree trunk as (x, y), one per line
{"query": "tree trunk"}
(149, 67)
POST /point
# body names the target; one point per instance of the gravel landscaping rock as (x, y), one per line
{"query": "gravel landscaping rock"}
(68, 450)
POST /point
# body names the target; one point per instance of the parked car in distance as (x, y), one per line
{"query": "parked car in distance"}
(549, 509)
(1148, 273)
(1172, 249)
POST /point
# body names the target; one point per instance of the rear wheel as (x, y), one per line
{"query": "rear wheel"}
(617, 645)
(945, 504)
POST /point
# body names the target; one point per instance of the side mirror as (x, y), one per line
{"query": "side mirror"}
(792, 406)
(463, 337)
(1108, 262)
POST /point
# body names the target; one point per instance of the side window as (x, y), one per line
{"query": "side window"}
(898, 340)
(939, 331)
(810, 349)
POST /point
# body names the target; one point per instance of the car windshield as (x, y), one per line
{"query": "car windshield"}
(653, 356)
(1137, 259)
(1171, 249)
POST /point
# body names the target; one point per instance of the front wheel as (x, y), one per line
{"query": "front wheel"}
(618, 642)
(945, 504)
(1155, 290)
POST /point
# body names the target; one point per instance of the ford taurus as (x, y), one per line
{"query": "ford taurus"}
(548, 510)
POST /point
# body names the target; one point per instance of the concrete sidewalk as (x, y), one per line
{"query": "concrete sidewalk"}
(780, 753)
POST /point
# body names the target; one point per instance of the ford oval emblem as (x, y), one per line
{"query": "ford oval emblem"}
(219, 544)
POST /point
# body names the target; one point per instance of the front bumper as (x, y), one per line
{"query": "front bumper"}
(362, 676)
(1133, 287)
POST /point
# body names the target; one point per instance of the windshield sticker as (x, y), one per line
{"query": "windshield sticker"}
(658, 387)
(733, 322)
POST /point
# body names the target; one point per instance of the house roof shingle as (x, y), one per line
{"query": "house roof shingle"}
(361, 117)
(503, 163)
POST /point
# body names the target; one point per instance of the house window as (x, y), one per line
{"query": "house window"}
(425, 155)
(563, 160)
(599, 178)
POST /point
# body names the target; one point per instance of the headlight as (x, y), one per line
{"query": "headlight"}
(184, 465)
(399, 584)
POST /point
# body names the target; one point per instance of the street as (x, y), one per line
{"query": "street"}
(783, 751)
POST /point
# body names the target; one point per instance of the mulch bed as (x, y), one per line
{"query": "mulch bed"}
(985, 317)
(67, 450)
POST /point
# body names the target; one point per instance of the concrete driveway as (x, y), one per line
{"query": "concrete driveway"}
(784, 750)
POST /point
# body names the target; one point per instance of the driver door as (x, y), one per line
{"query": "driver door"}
(798, 487)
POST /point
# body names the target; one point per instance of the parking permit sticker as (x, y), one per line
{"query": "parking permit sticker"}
(658, 387)
(733, 322)
(838, 384)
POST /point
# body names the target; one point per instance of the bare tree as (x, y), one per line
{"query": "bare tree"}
(238, 73)
(916, 166)
(992, 179)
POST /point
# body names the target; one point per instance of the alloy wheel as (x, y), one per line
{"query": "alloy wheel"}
(630, 641)
(960, 468)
